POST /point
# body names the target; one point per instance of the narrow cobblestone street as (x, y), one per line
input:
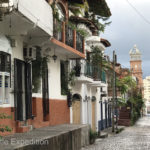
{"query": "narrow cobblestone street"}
(136, 137)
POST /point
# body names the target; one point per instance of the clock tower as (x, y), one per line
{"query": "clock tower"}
(136, 65)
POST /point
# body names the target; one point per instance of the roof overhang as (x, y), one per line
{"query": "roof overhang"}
(105, 42)
(99, 7)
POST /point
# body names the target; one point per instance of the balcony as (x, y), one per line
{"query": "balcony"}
(68, 39)
(87, 71)
(39, 13)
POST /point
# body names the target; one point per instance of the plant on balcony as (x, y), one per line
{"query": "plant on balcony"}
(71, 78)
(77, 69)
(78, 8)
(83, 33)
(55, 11)
(96, 59)
(38, 66)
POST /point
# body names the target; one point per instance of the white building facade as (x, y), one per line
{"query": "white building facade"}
(146, 84)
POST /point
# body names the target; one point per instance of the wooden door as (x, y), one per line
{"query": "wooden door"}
(76, 110)
(22, 90)
(93, 115)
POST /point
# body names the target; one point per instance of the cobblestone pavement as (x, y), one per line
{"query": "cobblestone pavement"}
(136, 137)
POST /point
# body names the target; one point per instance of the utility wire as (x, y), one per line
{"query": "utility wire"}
(138, 12)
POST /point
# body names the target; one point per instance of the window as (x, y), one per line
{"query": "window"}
(5, 71)
(5, 62)
(36, 72)
(64, 78)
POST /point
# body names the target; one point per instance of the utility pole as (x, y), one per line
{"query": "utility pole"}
(116, 104)
(114, 92)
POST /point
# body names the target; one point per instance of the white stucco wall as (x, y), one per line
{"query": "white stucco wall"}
(17, 52)
(55, 79)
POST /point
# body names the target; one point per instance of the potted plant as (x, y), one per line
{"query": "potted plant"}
(93, 136)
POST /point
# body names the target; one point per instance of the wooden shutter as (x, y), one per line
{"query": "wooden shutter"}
(18, 89)
(45, 90)
(28, 90)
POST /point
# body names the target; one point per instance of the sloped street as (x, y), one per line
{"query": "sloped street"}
(136, 137)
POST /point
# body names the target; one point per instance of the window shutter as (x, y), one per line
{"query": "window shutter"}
(18, 89)
(28, 91)
(45, 90)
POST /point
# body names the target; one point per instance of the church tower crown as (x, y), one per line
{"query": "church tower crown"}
(135, 54)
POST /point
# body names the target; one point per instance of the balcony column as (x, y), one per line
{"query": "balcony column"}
(74, 39)
(63, 32)
(97, 107)
(83, 103)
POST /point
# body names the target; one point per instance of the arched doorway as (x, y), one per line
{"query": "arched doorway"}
(93, 113)
(76, 109)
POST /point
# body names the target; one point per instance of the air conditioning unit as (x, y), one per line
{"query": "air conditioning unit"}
(29, 53)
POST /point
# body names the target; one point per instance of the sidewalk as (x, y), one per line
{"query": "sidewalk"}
(100, 141)
(61, 137)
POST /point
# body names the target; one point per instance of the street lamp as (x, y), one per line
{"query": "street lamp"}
(6, 7)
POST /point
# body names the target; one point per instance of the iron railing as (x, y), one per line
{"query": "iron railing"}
(79, 42)
(69, 36)
(89, 70)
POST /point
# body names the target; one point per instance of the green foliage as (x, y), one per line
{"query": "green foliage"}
(96, 56)
(38, 70)
(77, 8)
(137, 104)
(55, 12)
(82, 32)
(93, 135)
(4, 128)
(125, 84)
(93, 15)
(71, 78)
(68, 82)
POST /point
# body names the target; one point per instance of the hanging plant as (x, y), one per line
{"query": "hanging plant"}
(82, 32)
(38, 67)
(76, 8)
(55, 11)
(71, 78)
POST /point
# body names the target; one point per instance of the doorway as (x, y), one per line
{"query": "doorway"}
(22, 90)
(76, 109)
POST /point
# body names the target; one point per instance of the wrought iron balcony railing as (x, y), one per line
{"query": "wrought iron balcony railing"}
(79, 42)
(89, 70)
(64, 33)
(69, 36)
(58, 32)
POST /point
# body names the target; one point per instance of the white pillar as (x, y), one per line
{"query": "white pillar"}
(83, 104)
(97, 107)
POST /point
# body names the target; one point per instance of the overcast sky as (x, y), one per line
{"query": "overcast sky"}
(128, 28)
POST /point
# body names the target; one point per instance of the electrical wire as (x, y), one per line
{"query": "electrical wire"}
(138, 12)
